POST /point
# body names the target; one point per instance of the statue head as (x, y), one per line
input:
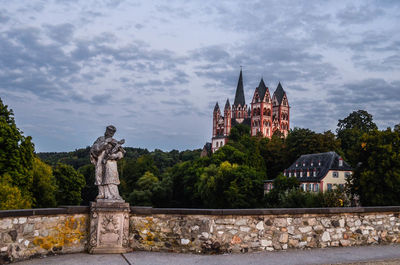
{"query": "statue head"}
(110, 130)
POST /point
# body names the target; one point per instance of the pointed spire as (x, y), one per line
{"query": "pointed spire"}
(239, 96)
(279, 93)
(216, 108)
(262, 88)
(227, 104)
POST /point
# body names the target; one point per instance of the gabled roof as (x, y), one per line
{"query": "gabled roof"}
(279, 93)
(328, 160)
(261, 89)
(227, 104)
(216, 108)
(239, 96)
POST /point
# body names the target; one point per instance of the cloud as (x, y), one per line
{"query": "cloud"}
(359, 15)
(61, 33)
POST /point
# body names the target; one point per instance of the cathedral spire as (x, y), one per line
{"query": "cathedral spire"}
(216, 108)
(279, 93)
(239, 96)
(227, 104)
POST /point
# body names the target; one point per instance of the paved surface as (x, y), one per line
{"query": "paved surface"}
(368, 255)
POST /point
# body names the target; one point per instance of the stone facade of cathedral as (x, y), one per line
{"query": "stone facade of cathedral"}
(265, 116)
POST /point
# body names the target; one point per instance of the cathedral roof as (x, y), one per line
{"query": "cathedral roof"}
(279, 93)
(261, 89)
(216, 108)
(227, 104)
(239, 96)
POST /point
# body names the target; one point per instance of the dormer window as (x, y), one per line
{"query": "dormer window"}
(315, 172)
(304, 164)
(312, 163)
(319, 162)
(340, 162)
(301, 174)
(297, 164)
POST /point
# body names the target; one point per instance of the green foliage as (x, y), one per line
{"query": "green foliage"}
(11, 196)
(144, 192)
(376, 180)
(350, 130)
(304, 141)
(89, 191)
(44, 185)
(16, 153)
(70, 183)
(238, 131)
(230, 186)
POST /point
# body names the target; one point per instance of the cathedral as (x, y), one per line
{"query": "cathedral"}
(265, 116)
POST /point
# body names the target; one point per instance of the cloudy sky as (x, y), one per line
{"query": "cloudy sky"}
(155, 69)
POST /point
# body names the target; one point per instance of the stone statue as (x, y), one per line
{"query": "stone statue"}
(104, 154)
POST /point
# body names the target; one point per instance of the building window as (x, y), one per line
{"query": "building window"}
(319, 163)
(316, 187)
(335, 174)
(301, 174)
(312, 163)
(340, 162)
(329, 187)
(302, 187)
(314, 173)
(347, 175)
(341, 186)
(304, 164)
(309, 187)
(217, 144)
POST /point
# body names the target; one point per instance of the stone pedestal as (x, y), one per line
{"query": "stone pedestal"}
(109, 227)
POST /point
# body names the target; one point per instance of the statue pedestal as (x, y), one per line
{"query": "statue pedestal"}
(109, 227)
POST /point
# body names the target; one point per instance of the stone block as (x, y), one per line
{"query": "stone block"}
(266, 243)
(283, 238)
(6, 223)
(326, 237)
(109, 227)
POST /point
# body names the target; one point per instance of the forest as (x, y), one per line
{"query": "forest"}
(232, 177)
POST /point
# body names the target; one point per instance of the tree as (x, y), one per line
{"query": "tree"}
(16, 154)
(10, 196)
(304, 141)
(376, 179)
(282, 185)
(350, 130)
(238, 131)
(44, 185)
(144, 192)
(89, 191)
(70, 184)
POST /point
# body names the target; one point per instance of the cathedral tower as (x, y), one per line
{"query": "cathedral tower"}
(281, 111)
(261, 111)
(239, 107)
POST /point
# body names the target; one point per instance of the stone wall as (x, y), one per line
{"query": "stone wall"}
(37, 232)
(221, 231)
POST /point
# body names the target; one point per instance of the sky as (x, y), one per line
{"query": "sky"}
(155, 69)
